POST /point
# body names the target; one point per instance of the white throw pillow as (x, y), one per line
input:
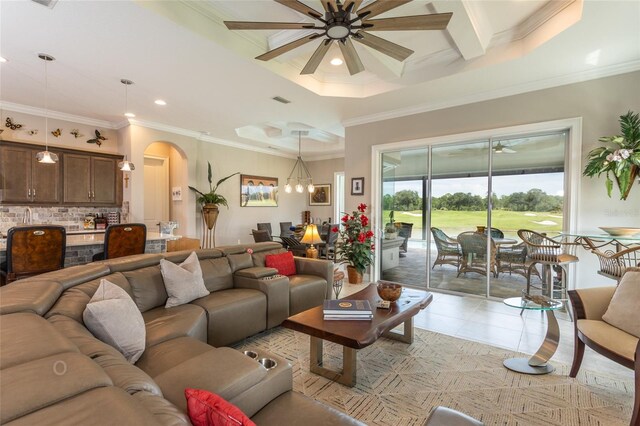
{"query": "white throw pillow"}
(183, 282)
(623, 308)
(113, 317)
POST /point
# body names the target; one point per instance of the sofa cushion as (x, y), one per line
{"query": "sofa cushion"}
(305, 292)
(67, 374)
(224, 371)
(148, 287)
(206, 408)
(101, 406)
(26, 337)
(234, 314)
(163, 324)
(259, 257)
(217, 274)
(623, 308)
(112, 316)
(240, 261)
(610, 337)
(283, 262)
(161, 357)
(183, 282)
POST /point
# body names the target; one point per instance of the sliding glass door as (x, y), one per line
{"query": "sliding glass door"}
(451, 212)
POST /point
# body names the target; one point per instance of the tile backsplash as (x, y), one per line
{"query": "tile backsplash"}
(71, 218)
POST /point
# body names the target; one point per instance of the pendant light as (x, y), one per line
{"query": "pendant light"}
(303, 177)
(125, 165)
(46, 156)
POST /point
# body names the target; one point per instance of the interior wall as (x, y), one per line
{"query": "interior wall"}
(234, 224)
(598, 102)
(322, 172)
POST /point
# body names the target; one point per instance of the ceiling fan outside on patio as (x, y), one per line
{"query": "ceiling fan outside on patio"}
(499, 148)
(343, 22)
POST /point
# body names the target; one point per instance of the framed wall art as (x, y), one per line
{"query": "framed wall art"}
(321, 195)
(357, 186)
(258, 191)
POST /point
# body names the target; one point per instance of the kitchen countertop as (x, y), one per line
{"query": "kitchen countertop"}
(97, 238)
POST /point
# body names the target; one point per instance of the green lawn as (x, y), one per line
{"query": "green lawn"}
(455, 222)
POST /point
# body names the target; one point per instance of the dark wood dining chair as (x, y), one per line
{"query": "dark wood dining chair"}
(124, 239)
(33, 250)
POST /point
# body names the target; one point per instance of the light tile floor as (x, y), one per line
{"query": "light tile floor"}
(494, 323)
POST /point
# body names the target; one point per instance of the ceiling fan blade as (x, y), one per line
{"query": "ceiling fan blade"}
(317, 57)
(241, 25)
(508, 150)
(287, 47)
(380, 6)
(300, 7)
(355, 7)
(330, 5)
(396, 51)
(436, 21)
(354, 64)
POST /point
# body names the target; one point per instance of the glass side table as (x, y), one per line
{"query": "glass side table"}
(537, 364)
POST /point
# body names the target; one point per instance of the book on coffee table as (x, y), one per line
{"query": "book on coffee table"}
(347, 307)
(347, 317)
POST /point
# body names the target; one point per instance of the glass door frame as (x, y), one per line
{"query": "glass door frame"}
(573, 173)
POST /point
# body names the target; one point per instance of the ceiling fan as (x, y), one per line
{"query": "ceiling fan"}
(342, 22)
(503, 149)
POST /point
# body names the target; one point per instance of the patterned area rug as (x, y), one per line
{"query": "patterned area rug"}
(399, 384)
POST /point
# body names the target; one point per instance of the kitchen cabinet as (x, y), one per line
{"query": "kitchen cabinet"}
(79, 178)
(23, 180)
(91, 180)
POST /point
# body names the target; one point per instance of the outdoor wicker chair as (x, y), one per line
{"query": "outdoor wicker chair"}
(404, 231)
(474, 254)
(614, 264)
(448, 249)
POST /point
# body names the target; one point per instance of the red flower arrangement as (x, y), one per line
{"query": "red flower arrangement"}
(355, 245)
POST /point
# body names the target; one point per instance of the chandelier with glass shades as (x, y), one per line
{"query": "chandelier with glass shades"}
(303, 177)
(46, 156)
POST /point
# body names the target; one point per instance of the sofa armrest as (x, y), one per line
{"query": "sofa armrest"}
(319, 267)
(275, 287)
(591, 303)
(257, 272)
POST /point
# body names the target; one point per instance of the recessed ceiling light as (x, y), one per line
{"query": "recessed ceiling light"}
(2, 59)
(336, 61)
(160, 102)
(129, 114)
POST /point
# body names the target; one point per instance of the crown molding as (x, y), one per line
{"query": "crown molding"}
(498, 93)
(41, 112)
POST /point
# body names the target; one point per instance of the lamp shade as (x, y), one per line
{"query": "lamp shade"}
(311, 235)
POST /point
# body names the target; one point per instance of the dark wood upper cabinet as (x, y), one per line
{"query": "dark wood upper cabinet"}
(79, 178)
(23, 180)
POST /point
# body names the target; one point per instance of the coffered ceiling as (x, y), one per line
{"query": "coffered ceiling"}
(181, 52)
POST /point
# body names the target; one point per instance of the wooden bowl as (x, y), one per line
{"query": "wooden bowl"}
(389, 291)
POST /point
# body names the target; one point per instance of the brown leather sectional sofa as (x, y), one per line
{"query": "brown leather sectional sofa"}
(54, 371)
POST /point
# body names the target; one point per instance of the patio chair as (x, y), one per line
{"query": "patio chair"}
(404, 231)
(513, 259)
(448, 249)
(614, 264)
(495, 233)
(550, 254)
(474, 254)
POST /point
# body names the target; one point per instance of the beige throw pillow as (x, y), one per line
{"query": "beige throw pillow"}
(113, 317)
(622, 312)
(183, 282)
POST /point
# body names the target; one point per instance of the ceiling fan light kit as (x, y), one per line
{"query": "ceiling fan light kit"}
(342, 22)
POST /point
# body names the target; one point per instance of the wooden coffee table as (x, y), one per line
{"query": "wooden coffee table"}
(354, 335)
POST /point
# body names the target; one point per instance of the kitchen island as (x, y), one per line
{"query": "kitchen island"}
(82, 245)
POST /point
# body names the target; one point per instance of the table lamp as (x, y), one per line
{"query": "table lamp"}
(311, 236)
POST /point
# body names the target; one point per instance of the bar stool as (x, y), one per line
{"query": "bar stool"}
(124, 239)
(33, 250)
(550, 254)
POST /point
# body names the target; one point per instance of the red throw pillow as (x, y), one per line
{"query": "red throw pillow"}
(283, 262)
(208, 409)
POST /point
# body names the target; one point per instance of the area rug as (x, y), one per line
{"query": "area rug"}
(399, 384)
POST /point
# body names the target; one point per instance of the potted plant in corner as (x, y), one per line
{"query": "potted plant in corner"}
(622, 160)
(211, 200)
(356, 246)
(390, 229)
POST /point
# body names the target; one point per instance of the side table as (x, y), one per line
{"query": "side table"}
(537, 364)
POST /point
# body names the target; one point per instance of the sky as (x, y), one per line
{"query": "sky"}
(551, 183)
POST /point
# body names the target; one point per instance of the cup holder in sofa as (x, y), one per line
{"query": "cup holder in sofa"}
(251, 354)
(268, 363)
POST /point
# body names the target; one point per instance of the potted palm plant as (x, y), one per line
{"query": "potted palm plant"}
(620, 160)
(355, 245)
(211, 200)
